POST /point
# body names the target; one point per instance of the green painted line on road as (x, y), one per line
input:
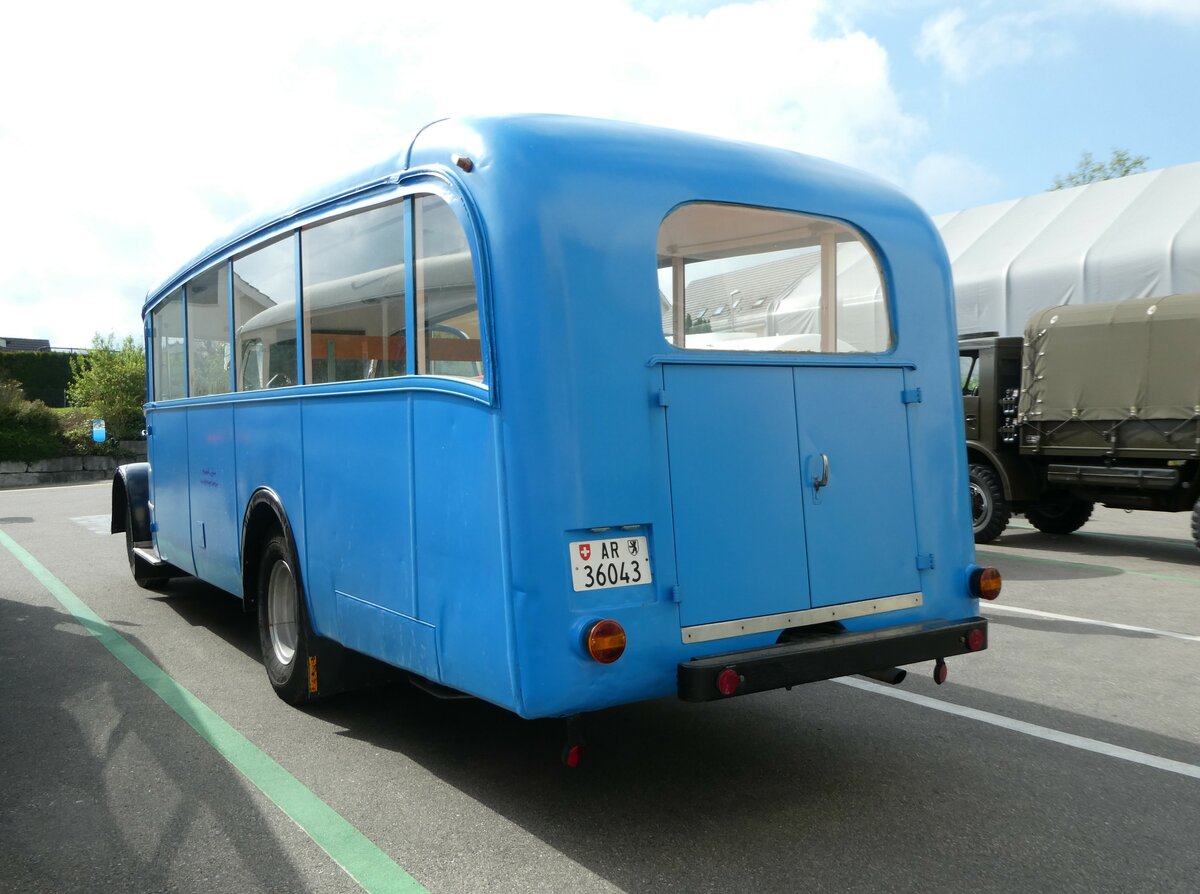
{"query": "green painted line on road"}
(361, 859)
(995, 556)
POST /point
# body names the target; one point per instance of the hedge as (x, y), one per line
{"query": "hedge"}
(44, 375)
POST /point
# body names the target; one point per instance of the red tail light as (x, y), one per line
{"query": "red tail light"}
(728, 681)
(976, 639)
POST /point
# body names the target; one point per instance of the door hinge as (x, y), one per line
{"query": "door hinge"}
(924, 561)
(677, 593)
(662, 399)
(911, 395)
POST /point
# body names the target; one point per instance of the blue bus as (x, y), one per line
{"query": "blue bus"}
(562, 414)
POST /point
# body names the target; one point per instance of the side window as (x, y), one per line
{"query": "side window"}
(737, 278)
(354, 313)
(264, 307)
(166, 341)
(968, 370)
(447, 308)
(207, 303)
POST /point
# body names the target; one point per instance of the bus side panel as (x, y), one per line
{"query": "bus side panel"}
(358, 501)
(216, 514)
(169, 485)
(268, 454)
(461, 537)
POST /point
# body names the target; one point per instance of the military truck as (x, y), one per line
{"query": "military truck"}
(1098, 403)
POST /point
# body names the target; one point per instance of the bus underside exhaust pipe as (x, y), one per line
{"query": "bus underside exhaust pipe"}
(890, 675)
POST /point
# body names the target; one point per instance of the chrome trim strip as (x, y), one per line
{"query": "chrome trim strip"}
(703, 633)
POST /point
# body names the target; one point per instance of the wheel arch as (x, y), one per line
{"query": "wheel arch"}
(131, 488)
(1018, 479)
(265, 512)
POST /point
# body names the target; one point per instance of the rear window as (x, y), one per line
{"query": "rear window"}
(739, 278)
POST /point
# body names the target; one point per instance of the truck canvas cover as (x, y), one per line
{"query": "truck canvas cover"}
(1136, 362)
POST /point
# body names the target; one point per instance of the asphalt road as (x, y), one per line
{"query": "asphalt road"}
(1065, 758)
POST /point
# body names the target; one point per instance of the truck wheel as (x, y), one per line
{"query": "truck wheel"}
(989, 510)
(1059, 513)
(1196, 523)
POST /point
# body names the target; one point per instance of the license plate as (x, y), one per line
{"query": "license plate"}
(612, 562)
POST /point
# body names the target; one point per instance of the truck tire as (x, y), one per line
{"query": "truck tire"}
(1196, 524)
(989, 509)
(1059, 513)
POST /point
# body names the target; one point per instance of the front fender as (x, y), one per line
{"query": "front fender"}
(131, 489)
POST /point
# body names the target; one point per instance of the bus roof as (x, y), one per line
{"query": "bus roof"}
(586, 137)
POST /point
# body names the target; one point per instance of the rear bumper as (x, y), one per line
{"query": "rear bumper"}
(825, 656)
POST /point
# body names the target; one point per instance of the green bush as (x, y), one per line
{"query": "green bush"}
(44, 375)
(29, 430)
(76, 434)
(111, 380)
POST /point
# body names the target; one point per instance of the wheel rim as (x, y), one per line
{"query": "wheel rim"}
(282, 612)
(980, 505)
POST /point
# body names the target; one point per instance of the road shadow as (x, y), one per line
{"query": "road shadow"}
(222, 613)
(820, 789)
(825, 788)
(1016, 567)
(1100, 545)
(105, 787)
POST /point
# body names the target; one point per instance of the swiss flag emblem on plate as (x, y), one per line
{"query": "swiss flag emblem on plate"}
(585, 551)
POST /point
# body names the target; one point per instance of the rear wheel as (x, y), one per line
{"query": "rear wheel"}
(301, 665)
(989, 510)
(1059, 513)
(283, 627)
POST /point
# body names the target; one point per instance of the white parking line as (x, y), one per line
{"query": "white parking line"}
(1040, 732)
(1074, 620)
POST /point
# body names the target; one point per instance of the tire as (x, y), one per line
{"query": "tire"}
(1059, 513)
(301, 666)
(990, 511)
(145, 575)
(1196, 524)
(283, 627)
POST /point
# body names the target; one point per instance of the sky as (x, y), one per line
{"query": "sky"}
(133, 135)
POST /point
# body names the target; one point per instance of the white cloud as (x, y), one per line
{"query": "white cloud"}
(966, 50)
(132, 139)
(947, 182)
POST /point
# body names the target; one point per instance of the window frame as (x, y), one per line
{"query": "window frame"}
(402, 189)
(826, 272)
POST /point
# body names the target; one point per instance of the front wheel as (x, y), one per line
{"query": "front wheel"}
(145, 575)
(1059, 513)
(989, 510)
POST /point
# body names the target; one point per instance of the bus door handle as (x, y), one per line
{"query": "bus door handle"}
(820, 481)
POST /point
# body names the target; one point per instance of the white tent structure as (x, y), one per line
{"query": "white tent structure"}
(1132, 237)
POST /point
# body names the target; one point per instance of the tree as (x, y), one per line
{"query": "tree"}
(111, 380)
(1089, 170)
